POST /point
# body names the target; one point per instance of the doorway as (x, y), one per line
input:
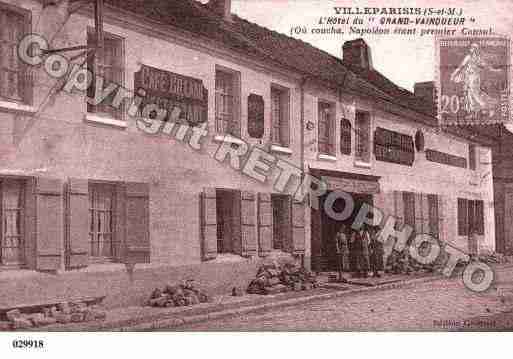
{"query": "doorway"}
(328, 228)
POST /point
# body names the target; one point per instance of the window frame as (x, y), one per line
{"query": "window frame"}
(359, 154)
(345, 136)
(117, 114)
(433, 201)
(232, 126)
(228, 198)
(326, 140)
(285, 205)
(114, 237)
(22, 236)
(282, 125)
(473, 220)
(27, 86)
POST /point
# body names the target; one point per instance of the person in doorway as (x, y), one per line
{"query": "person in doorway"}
(361, 240)
(342, 245)
(376, 252)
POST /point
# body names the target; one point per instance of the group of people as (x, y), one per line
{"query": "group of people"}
(363, 247)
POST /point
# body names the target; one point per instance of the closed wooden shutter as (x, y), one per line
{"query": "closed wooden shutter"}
(49, 224)
(265, 224)
(77, 223)
(433, 214)
(137, 215)
(248, 222)
(462, 217)
(298, 227)
(119, 221)
(399, 207)
(425, 213)
(442, 210)
(236, 224)
(209, 223)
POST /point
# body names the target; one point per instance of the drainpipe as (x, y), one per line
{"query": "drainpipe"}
(302, 152)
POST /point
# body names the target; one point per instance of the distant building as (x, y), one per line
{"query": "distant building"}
(87, 193)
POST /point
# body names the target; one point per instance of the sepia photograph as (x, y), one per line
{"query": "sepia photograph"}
(254, 166)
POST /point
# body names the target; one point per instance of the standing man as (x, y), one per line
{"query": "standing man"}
(342, 246)
(376, 252)
(361, 240)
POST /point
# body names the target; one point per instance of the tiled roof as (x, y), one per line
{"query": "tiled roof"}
(251, 39)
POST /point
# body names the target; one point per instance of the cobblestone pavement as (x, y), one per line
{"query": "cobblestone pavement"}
(439, 305)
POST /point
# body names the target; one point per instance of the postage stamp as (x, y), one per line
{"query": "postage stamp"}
(473, 80)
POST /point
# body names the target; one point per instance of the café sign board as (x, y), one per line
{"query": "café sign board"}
(184, 98)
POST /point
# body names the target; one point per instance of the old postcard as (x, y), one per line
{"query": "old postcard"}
(243, 165)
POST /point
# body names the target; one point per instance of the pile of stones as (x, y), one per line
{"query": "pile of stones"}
(273, 279)
(63, 313)
(184, 294)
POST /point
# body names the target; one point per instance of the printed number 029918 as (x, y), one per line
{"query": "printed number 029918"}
(27, 344)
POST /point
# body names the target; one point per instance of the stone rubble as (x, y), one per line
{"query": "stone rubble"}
(181, 295)
(274, 279)
(63, 313)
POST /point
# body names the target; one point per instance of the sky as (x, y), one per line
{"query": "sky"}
(403, 59)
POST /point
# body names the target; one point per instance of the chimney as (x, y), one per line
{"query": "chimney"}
(356, 53)
(427, 92)
(223, 8)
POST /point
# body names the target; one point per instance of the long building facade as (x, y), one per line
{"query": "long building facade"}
(97, 199)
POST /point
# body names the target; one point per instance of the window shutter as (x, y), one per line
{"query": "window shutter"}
(256, 124)
(479, 217)
(442, 205)
(298, 227)
(399, 206)
(209, 223)
(433, 215)
(265, 224)
(77, 223)
(119, 221)
(425, 213)
(248, 219)
(236, 227)
(49, 226)
(462, 217)
(413, 211)
(285, 120)
(137, 234)
(30, 224)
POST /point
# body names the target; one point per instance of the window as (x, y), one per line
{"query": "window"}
(409, 208)
(282, 222)
(472, 157)
(326, 132)
(11, 213)
(279, 117)
(15, 81)
(345, 136)
(256, 116)
(110, 66)
(362, 132)
(101, 208)
(433, 215)
(479, 217)
(470, 217)
(462, 217)
(394, 147)
(228, 219)
(227, 121)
